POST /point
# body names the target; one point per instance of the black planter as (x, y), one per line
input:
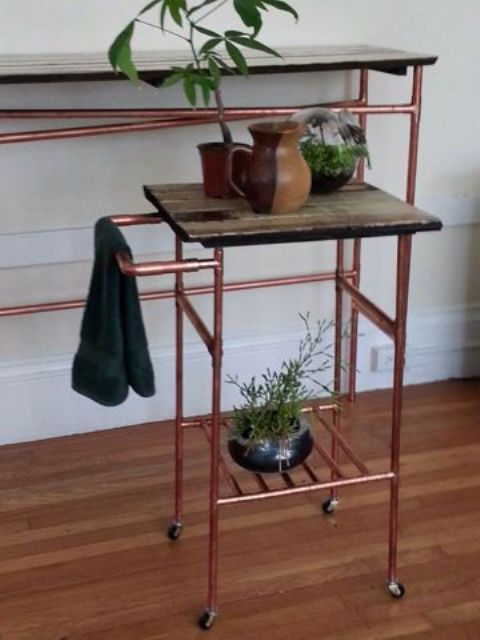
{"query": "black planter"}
(326, 184)
(273, 456)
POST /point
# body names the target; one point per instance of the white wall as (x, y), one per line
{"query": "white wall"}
(53, 192)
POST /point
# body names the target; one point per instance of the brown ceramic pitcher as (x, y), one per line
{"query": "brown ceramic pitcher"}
(277, 179)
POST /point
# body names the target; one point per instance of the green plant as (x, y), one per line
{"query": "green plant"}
(271, 405)
(211, 52)
(332, 160)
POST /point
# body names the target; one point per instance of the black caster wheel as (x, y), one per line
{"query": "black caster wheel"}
(206, 620)
(396, 589)
(174, 530)
(329, 506)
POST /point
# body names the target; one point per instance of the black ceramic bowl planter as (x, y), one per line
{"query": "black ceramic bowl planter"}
(275, 455)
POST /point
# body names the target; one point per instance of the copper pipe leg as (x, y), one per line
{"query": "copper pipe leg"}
(403, 274)
(212, 600)
(177, 524)
(332, 503)
(415, 117)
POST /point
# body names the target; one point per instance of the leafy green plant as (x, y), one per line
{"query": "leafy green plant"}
(212, 52)
(271, 404)
(332, 160)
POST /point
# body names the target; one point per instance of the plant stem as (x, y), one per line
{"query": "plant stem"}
(212, 10)
(227, 134)
(171, 33)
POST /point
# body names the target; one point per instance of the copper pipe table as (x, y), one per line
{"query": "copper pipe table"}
(357, 211)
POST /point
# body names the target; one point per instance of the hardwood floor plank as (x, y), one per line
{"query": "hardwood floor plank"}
(83, 552)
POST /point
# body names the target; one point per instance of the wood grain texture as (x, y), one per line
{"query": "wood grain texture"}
(357, 210)
(154, 65)
(83, 555)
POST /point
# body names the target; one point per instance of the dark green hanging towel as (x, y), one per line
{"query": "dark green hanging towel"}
(113, 352)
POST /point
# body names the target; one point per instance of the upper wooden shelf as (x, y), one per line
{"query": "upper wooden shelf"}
(356, 211)
(155, 65)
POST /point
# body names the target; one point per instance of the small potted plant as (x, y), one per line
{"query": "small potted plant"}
(332, 146)
(269, 433)
(212, 53)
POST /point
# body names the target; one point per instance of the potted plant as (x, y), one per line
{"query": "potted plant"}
(332, 146)
(269, 433)
(212, 53)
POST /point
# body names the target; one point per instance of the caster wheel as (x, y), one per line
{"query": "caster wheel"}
(329, 506)
(174, 530)
(206, 620)
(396, 589)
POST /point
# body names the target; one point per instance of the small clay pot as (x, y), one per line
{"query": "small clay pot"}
(215, 166)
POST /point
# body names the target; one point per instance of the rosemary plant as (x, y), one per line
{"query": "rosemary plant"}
(272, 404)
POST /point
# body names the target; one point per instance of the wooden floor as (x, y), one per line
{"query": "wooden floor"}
(83, 555)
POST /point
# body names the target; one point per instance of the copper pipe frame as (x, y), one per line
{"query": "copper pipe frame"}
(195, 118)
(404, 250)
(179, 388)
(368, 308)
(356, 257)
(166, 294)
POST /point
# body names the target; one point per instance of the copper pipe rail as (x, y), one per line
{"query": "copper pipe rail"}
(368, 308)
(193, 119)
(338, 437)
(165, 294)
(187, 307)
(160, 268)
(322, 486)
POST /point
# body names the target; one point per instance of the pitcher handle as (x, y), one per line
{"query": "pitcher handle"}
(235, 187)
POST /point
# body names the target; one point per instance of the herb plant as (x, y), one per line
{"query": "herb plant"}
(272, 404)
(211, 51)
(332, 160)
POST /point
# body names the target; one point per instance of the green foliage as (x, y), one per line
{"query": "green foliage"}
(332, 160)
(271, 405)
(219, 51)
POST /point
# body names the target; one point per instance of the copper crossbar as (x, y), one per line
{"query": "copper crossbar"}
(370, 310)
(344, 445)
(196, 321)
(159, 268)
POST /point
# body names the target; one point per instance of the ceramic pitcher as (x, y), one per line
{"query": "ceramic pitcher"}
(277, 179)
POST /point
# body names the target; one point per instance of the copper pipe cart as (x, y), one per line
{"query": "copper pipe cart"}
(358, 211)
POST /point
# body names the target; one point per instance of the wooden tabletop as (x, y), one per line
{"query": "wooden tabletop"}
(155, 65)
(357, 210)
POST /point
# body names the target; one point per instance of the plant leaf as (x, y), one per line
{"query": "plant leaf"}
(189, 90)
(207, 32)
(282, 6)
(237, 57)
(255, 44)
(209, 45)
(120, 53)
(249, 13)
(214, 70)
(149, 6)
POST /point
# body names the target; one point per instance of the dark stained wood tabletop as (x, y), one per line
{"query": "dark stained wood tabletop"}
(357, 210)
(156, 65)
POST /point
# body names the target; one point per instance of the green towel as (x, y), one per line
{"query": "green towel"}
(113, 352)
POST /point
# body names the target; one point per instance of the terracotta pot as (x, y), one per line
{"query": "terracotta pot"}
(277, 179)
(215, 161)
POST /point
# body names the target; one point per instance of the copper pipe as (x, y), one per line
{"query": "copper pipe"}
(345, 446)
(370, 310)
(232, 481)
(337, 367)
(310, 472)
(321, 486)
(168, 113)
(414, 134)
(196, 321)
(260, 480)
(217, 351)
(191, 424)
(158, 268)
(404, 250)
(353, 344)
(130, 220)
(167, 294)
(332, 464)
(179, 355)
(154, 125)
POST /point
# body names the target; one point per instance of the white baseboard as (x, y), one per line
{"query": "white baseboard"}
(37, 401)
